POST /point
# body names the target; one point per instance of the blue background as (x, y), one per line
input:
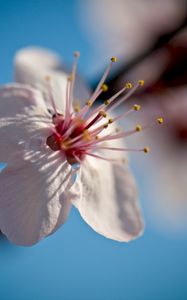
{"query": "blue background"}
(76, 263)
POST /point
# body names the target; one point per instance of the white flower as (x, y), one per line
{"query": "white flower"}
(57, 157)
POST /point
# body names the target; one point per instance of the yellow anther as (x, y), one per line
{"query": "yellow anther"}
(114, 59)
(128, 85)
(110, 121)
(104, 87)
(47, 78)
(103, 113)
(160, 120)
(146, 150)
(106, 102)
(105, 125)
(76, 54)
(138, 128)
(86, 135)
(71, 77)
(137, 107)
(89, 103)
(65, 144)
(141, 82)
(77, 107)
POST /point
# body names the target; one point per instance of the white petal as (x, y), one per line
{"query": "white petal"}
(22, 113)
(33, 64)
(17, 97)
(34, 188)
(34, 199)
(109, 200)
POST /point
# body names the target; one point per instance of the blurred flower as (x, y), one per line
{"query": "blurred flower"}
(58, 157)
(165, 93)
(168, 93)
(127, 27)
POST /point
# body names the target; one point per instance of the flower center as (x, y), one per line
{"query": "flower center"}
(81, 132)
(71, 138)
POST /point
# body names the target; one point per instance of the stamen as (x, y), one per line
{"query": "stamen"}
(97, 117)
(73, 133)
(123, 134)
(141, 82)
(105, 126)
(138, 128)
(86, 135)
(77, 54)
(77, 107)
(71, 81)
(137, 107)
(104, 87)
(146, 150)
(98, 129)
(107, 102)
(67, 110)
(129, 85)
(117, 135)
(114, 59)
(103, 113)
(105, 75)
(89, 103)
(123, 99)
(160, 120)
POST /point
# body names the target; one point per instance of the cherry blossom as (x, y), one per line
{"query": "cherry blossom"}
(59, 154)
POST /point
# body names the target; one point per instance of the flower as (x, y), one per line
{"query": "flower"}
(127, 28)
(169, 94)
(57, 157)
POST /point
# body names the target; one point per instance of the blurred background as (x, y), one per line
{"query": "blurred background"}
(150, 39)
